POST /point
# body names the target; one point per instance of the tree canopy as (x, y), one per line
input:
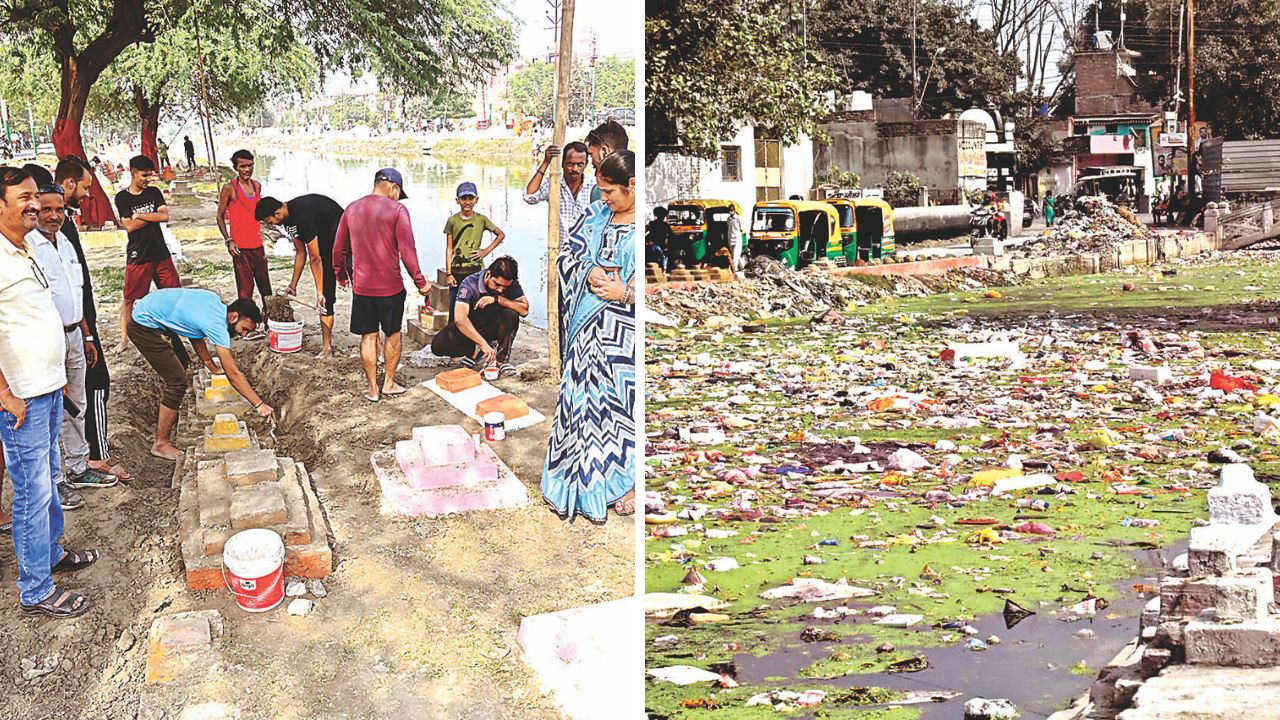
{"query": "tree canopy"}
(532, 90)
(712, 65)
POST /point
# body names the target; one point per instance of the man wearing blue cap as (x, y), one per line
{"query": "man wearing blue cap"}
(377, 236)
(463, 236)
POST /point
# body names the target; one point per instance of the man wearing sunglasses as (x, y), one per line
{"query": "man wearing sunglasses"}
(58, 261)
(32, 376)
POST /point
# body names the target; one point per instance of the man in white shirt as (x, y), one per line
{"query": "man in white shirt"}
(32, 375)
(575, 185)
(57, 257)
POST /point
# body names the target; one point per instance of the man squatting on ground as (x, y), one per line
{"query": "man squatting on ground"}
(486, 317)
(237, 203)
(32, 377)
(312, 220)
(377, 235)
(199, 316)
(57, 259)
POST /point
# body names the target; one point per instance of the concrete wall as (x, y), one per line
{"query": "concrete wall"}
(927, 149)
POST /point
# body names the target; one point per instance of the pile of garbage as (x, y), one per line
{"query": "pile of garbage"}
(870, 490)
(1096, 225)
(772, 290)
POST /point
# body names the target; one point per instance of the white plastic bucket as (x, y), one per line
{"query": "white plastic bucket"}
(284, 337)
(253, 569)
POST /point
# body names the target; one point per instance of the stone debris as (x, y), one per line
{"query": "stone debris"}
(300, 607)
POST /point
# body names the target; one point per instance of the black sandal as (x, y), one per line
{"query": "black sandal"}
(75, 560)
(67, 605)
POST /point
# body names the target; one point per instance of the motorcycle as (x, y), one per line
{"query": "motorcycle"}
(987, 221)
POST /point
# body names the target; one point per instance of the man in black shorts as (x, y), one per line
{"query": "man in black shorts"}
(312, 221)
(486, 317)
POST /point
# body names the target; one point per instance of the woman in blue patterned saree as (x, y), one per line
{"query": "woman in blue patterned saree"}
(591, 458)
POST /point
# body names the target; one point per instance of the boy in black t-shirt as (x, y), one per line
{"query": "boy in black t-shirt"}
(313, 222)
(142, 208)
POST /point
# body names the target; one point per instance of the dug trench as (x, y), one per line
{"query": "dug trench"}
(421, 615)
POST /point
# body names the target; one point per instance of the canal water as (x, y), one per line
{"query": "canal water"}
(431, 186)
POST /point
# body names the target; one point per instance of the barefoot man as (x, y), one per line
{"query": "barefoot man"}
(312, 220)
(375, 233)
(199, 316)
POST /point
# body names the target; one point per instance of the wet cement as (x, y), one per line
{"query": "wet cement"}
(1030, 666)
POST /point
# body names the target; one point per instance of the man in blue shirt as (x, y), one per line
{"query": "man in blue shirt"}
(199, 316)
(486, 317)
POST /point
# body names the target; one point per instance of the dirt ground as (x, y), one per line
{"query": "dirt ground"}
(421, 615)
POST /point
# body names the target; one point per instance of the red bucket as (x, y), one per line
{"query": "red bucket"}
(253, 569)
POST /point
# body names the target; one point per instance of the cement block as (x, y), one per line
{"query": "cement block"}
(249, 467)
(225, 424)
(220, 382)
(1154, 660)
(237, 405)
(1241, 595)
(1249, 644)
(1212, 553)
(1239, 499)
(509, 405)
(401, 497)
(258, 506)
(180, 644)
(226, 442)
(457, 380)
(1145, 373)
(213, 495)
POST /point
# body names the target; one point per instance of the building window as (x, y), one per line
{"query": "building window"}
(730, 163)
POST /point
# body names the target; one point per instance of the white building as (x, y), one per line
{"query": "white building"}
(751, 167)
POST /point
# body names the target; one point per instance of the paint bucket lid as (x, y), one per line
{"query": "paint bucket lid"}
(494, 418)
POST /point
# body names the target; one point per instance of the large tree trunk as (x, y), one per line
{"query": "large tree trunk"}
(96, 208)
(149, 121)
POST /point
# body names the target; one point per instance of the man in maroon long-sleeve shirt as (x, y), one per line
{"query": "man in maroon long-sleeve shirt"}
(375, 230)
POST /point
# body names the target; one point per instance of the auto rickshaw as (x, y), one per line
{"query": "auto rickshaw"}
(866, 228)
(701, 227)
(797, 232)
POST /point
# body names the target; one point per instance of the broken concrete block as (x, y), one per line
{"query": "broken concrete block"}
(1212, 553)
(225, 424)
(1253, 643)
(458, 380)
(1239, 499)
(258, 506)
(1154, 660)
(1146, 373)
(1241, 595)
(249, 467)
(509, 405)
(178, 643)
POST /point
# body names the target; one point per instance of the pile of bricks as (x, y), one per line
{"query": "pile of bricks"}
(1216, 608)
(441, 470)
(424, 327)
(228, 483)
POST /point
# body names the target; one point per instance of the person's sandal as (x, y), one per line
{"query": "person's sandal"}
(507, 370)
(115, 468)
(66, 605)
(75, 560)
(626, 506)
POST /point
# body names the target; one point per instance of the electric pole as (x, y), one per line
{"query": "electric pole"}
(592, 103)
(1192, 165)
(915, 7)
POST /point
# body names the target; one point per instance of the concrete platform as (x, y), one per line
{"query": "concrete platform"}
(1198, 692)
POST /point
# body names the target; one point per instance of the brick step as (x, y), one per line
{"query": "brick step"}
(402, 498)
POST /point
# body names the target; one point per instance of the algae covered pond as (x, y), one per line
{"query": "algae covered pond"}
(905, 493)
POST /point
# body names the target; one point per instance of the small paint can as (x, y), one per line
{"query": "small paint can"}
(495, 427)
(490, 373)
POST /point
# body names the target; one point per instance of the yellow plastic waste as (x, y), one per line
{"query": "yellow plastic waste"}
(1102, 438)
(663, 519)
(987, 478)
(1100, 388)
(719, 489)
(994, 294)
(985, 536)
(1267, 400)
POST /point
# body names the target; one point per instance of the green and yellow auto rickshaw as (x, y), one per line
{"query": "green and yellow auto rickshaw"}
(797, 232)
(701, 227)
(874, 233)
(848, 227)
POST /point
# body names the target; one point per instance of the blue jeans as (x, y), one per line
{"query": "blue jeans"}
(34, 463)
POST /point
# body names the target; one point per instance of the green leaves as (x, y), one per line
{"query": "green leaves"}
(712, 65)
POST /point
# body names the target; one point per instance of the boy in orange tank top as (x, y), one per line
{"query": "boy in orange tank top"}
(236, 205)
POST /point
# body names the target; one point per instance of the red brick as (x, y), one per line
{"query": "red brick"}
(509, 405)
(457, 380)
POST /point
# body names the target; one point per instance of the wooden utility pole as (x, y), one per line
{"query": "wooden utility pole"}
(1192, 165)
(206, 120)
(564, 64)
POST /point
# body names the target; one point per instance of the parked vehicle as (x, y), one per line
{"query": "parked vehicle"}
(699, 228)
(987, 221)
(796, 232)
